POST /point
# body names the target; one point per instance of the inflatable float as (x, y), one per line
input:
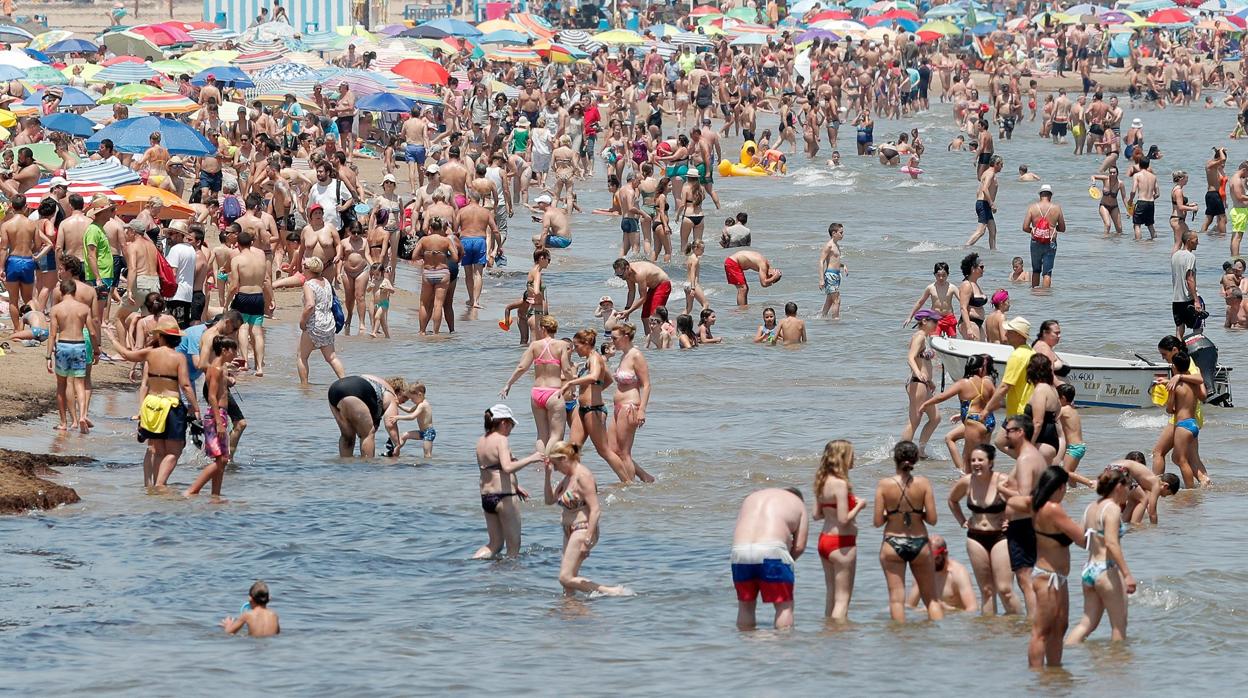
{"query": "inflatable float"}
(742, 168)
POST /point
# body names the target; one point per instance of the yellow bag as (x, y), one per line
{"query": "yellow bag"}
(155, 412)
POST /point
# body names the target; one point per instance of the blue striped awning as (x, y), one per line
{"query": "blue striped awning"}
(109, 175)
(306, 16)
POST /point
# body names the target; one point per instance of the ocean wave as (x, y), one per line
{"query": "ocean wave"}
(1142, 420)
(929, 246)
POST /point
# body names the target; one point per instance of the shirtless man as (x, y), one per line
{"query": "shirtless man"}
(709, 144)
(1061, 118)
(17, 259)
(73, 228)
(1020, 534)
(630, 212)
(831, 271)
(68, 354)
(26, 174)
(770, 534)
(475, 225)
(1144, 197)
(531, 100)
(953, 581)
(455, 175)
(735, 266)
(485, 190)
(422, 198)
(221, 256)
(415, 134)
(263, 229)
(142, 272)
(1237, 193)
(986, 204)
(648, 287)
(248, 289)
(1146, 487)
(203, 270)
(344, 116)
(1215, 208)
(556, 231)
(792, 329)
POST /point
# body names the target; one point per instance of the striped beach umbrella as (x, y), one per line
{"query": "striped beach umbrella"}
(104, 113)
(84, 188)
(256, 46)
(361, 82)
(129, 94)
(307, 60)
(166, 103)
(513, 54)
(534, 24)
(574, 37)
(419, 93)
(258, 61)
(208, 59)
(125, 73)
(212, 36)
(41, 42)
(174, 67)
(282, 72)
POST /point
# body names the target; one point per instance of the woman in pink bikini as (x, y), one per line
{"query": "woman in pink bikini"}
(632, 395)
(551, 360)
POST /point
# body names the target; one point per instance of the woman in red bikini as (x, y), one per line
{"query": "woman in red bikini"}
(551, 360)
(837, 506)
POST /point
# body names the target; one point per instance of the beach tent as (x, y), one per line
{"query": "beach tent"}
(306, 16)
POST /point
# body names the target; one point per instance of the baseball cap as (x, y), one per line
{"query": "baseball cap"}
(432, 168)
(543, 199)
(501, 411)
(58, 182)
(389, 178)
(315, 207)
(1019, 325)
(1046, 189)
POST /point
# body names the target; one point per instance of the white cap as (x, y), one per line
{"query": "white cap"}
(1046, 189)
(543, 199)
(389, 178)
(501, 411)
(58, 182)
(432, 168)
(1136, 123)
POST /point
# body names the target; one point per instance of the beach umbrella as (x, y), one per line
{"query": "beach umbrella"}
(86, 189)
(166, 103)
(1237, 21)
(745, 14)
(104, 113)
(943, 27)
(1114, 17)
(801, 7)
(453, 27)
(129, 94)
(174, 67)
(283, 71)
(279, 98)
(1173, 16)
(44, 153)
(270, 31)
(41, 42)
(14, 35)
(619, 37)
(1221, 6)
(209, 59)
(120, 59)
(124, 73)
(137, 196)
(131, 136)
(212, 36)
(7, 118)
(945, 11)
(71, 97)
(228, 75)
(85, 70)
(71, 46)
(8, 72)
(817, 35)
(494, 25)
(830, 14)
(901, 14)
(128, 43)
(420, 71)
(574, 37)
(513, 54)
(506, 36)
(843, 26)
(705, 10)
(422, 32)
(385, 102)
(1150, 5)
(46, 75)
(356, 31)
(255, 62)
(361, 82)
(749, 40)
(227, 111)
(305, 59)
(17, 59)
(533, 24)
(692, 39)
(69, 123)
(257, 45)
(164, 35)
(392, 29)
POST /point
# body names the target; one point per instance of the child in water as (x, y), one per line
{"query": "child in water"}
(692, 286)
(1072, 433)
(381, 305)
(256, 616)
(422, 412)
(767, 330)
(1018, 274)
(792, 329)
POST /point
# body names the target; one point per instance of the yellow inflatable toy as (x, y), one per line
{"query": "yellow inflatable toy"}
(743, 168)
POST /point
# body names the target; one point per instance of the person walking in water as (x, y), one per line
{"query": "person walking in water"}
(771, 533)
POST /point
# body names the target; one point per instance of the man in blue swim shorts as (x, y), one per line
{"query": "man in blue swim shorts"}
(73, 344)
(771, 533)
(415, 132)
(17, 249)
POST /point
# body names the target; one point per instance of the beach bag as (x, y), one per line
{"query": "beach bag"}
(348, 216)
(168, 279)
(340, 318)
(1041, 231)
(231, 208)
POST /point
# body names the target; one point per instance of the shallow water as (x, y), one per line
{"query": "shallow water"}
(368, 561)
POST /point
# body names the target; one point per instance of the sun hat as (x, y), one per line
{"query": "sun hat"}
(926, 314)
(99, 204)
(167, 325)
(1019, 325)
(543, 199)
(58, 182)
(605, 299)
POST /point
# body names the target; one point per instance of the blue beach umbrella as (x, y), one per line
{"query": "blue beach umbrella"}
(228, 75)
(39, 56)
(72, 124)
(8, 72)
(453, 27)
(505, 36)
(131, 136)
(14, 35)
(74, 45)
(109, 174)
(125, 73)
(71, 97)
(386, 102)
(424, 32)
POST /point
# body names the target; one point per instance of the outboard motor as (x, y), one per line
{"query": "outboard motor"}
(1205, 355)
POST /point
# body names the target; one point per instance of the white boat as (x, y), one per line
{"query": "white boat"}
(1099, 382)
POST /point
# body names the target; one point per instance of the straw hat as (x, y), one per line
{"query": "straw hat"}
(99, 204)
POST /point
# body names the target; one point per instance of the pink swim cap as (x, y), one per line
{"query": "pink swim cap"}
(1000, 296)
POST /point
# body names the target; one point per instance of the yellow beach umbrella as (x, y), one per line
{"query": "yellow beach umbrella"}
(7, 118)
(88, 70)
(495, 25)
(619, 36)
(210, 59)
(46, 39)
(941, 26)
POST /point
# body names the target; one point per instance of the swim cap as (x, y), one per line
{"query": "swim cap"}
(1000, 296)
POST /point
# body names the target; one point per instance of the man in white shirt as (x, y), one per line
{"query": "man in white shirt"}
(1186, 304)
(330, 193)
(181, 256)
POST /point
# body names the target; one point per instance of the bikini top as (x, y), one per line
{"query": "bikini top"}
(905, 518)
(583, 370)
(852, 501)
(545, 357)
(997, 506)
(570, 501)
(1060, 538)
(978, 301)
(626, 380)
(1100, 524)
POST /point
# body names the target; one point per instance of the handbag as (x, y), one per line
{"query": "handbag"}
(347, 217)
(340, 317)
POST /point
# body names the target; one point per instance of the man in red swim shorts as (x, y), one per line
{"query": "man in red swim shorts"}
(648, 286)
(771, 533)
(736, 265)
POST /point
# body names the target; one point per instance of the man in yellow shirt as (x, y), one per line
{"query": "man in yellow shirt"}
(1014, 390)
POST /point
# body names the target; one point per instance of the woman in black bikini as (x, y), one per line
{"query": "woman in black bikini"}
(589, 417)
(1043, 406)
(498, 483)
(577, 496)
(360, 404)
(971, 299)
(905, 533)
(920, 387)
(690, 208)
(1111, 192)
(986, 492)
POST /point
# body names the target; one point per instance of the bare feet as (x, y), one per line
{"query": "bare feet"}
(84, 426)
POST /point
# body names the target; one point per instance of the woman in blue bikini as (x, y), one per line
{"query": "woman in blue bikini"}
(1106, 578)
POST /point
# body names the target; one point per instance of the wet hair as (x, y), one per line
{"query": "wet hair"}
(620, 265)
(68, 286)
(1137, 456)
(1170, 343)
(905, 455)
(1049, 482)
(549, 323)
(588, 337)
(838, 456)
(220, 343)
(1172, 481)
(795, 491)
(627, 330)
(1045, 327)
(1040, 369)
(1109, 480)
(833, 227)
(492, 424)
(1022, 421)
(704, 316)
(538, 255)
(154, 303)
(969, 263)
(742, 217)
(660, 313)
(259, 594)
(684, 325)
(939, 267)
(1066, 391)
(988, 449)
(1182, 362)
(976, 363)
